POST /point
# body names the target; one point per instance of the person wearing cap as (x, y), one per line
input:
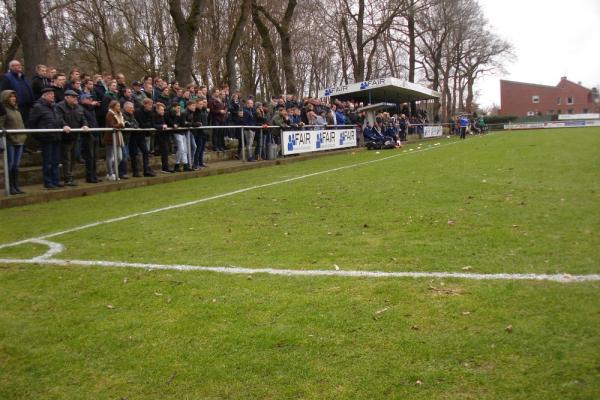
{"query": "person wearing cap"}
(137, 94)
(42, 116)
(70, 116)
(91, 141)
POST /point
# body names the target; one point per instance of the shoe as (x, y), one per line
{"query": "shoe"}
(91, 180)
(124, 176)
(149, 173)
(60, 185)
(71, 183)
(108, 177)
(187, 168)
(50, 187)
(177, 168)
(203, 166)
(167, 171)
(137, 175)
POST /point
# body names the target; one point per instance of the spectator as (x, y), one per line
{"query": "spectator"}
(137, 94)
(218, 114)
(74, 75)
(39, 81)
(121, 85)
(249, 119)
(90, 141)
(114, 119)
(111, 94)
(16, 81)
(58, 85)
(12, 119)
(464, 123)
(70, 116)
(99, 89)
(163, 136)
(178, 120)
(145, 117)
(137, 141)
(201, 117)
(43, 117)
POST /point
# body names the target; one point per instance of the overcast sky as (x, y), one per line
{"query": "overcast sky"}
(551, 39)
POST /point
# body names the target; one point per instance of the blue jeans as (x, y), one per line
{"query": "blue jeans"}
(50, 161)
(14, 153)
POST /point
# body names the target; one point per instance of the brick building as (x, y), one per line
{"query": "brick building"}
(528, 99)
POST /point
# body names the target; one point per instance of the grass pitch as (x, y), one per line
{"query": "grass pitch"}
(513, 202)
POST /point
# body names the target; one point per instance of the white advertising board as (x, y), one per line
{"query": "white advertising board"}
(298, 142)
(547, 125)
(571, 117)
(432, 131)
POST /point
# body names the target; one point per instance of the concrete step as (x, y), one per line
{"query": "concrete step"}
(31, 173)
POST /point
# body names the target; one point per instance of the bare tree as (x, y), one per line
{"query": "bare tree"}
(187, 28)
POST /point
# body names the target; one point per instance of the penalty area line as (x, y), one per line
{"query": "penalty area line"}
(561, 278)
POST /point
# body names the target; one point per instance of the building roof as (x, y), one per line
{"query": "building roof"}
(563, 79)
(380, 91)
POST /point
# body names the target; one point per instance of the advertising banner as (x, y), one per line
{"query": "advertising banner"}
(432, 131)
(299, 142)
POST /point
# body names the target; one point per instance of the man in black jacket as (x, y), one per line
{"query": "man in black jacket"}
(162, 136)
(70, 116)
(137, 141)
(42, 116)
(90, 141)
(39, 81)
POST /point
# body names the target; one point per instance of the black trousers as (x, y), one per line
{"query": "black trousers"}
(463, 132)
(164, 140)
(137, 143)
(89, 150)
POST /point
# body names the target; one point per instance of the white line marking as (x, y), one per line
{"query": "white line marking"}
(219, 196)
(53, 249)
(561, 278)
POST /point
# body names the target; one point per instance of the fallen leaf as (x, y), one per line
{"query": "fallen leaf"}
(509, 329)
(336, 267)
(110, 306)
(418, 382)
(157, 294)
(451, 222)
(466, 313)
(125, 280)
(378, 313)
(467, 268)
(414, 328)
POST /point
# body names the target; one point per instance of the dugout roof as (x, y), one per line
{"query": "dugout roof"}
(381, 90)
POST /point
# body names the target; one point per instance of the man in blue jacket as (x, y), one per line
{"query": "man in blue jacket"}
(43, 117)
(15, 80)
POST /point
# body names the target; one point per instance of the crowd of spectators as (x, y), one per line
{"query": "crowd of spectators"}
(152, 117)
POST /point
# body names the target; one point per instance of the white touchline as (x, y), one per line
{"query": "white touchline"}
(219, 196)
(562, 278)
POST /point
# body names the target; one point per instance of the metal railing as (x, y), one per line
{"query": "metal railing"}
(153, 131)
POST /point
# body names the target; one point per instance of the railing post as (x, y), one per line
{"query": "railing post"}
(243, 139)
(189, 148)
(281, 141)
(116, 159)
(6, 171)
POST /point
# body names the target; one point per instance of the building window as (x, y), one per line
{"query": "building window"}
(570, 111)
(535, 99)
(558, 101)
(530, 113)
(570, 100)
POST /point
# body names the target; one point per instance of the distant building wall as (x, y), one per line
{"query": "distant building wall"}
(526, 99)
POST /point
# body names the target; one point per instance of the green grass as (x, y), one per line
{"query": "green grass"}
(517, 202)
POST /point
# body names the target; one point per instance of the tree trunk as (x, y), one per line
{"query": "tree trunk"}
(234, 43)
(187, 28)
(268, 50)
(31, 33)
(11, 53)
(412, 49)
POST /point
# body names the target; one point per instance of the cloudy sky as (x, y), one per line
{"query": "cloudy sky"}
(551, 38)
